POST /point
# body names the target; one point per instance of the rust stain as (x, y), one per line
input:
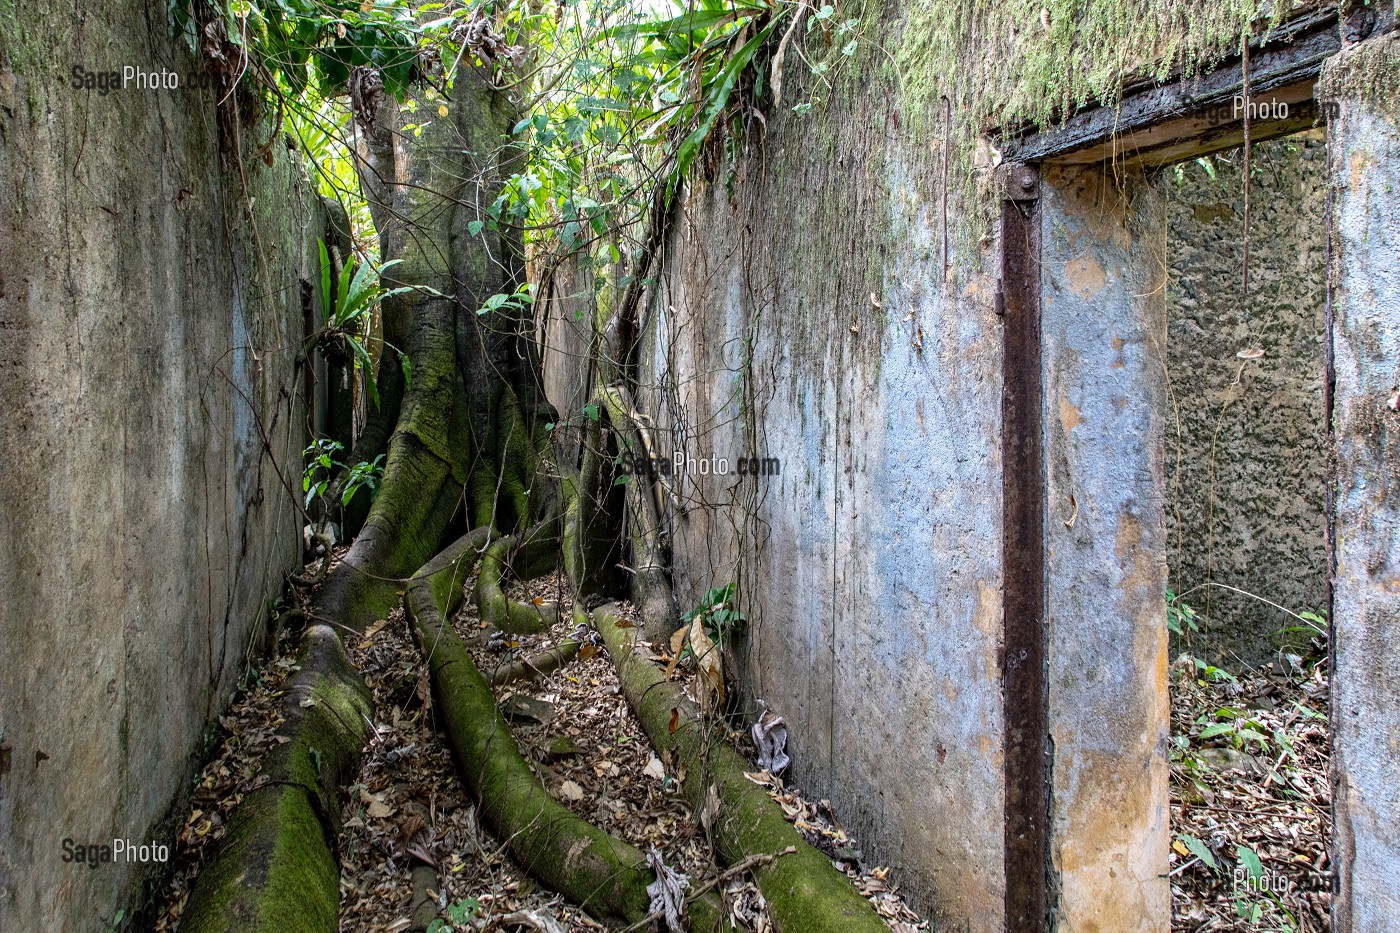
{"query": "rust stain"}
(1070, 417)
(987, 615)
(1118, 344)
(919, 414)
(1092, 196)
(1086, 276)
(1110, 817)
(1358, 168)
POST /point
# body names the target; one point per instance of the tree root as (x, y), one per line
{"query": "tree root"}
(541, 664)
(326, 561)
(805, 893)
(651, 581)
(276, 870)
(527, 555)
(602, 874)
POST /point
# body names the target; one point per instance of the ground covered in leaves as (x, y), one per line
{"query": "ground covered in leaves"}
(407, 808)
(1250, 798)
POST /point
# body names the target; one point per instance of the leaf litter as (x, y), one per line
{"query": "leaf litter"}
(406, 808)
(1250, 796)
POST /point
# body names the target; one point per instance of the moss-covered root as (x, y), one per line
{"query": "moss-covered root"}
(276, 869)
(526, 555)
(805, 893)
(602, 874)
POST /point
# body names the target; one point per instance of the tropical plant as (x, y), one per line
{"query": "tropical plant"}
(354, 295)
(719, 614)
(322, 465)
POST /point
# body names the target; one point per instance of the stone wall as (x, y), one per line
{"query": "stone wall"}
(1246, 469)
(149, 325)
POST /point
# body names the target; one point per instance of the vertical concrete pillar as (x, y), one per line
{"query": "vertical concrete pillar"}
(1104, 329)
(1364, 162)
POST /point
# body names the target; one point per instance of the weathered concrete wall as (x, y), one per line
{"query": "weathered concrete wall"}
(823, 335)
(147, 344)
(1105, 401)
(1246, 468)
(1365, 173)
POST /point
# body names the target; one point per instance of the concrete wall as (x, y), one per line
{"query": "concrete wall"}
(1103, 317)
(147, 340)
(1365, 173)
(869, 566)
(1246, 463)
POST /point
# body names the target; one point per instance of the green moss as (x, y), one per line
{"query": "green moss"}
(275, 870)
(1012, 63)
(805, 893)
(25, 45)
(603, 874)
(1368, 74)
(527, 555)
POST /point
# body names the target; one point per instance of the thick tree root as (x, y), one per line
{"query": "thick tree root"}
(805, 893)
(603, 874)
(526, 555)
(276, 870)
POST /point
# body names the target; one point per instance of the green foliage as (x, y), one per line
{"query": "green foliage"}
(514, 301)
(1199, 849)
(1234, 728)
(460, 916)
(1181, 618)
(719, 614)
(353, 297)
(321, 465)
(295, 45)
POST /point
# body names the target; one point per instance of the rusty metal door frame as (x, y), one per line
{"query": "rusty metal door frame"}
(1023, 653)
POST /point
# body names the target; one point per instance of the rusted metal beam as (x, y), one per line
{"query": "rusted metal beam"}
(1023, 653)
(1283, 66)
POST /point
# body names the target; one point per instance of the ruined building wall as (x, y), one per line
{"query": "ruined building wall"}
(805, 322)
(1246, 469)
(818, 311)
(149, 323)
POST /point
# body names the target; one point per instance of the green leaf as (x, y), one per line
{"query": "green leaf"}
(475, 227)
(591, 411)
(1199, 849)
(327, 298)
(1250, 859)
(717, 99)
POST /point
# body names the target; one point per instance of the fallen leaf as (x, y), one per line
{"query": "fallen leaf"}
(655, 769)
(570, 791)
(711, 682)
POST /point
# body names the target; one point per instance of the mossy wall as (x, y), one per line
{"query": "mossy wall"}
(150, 314)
